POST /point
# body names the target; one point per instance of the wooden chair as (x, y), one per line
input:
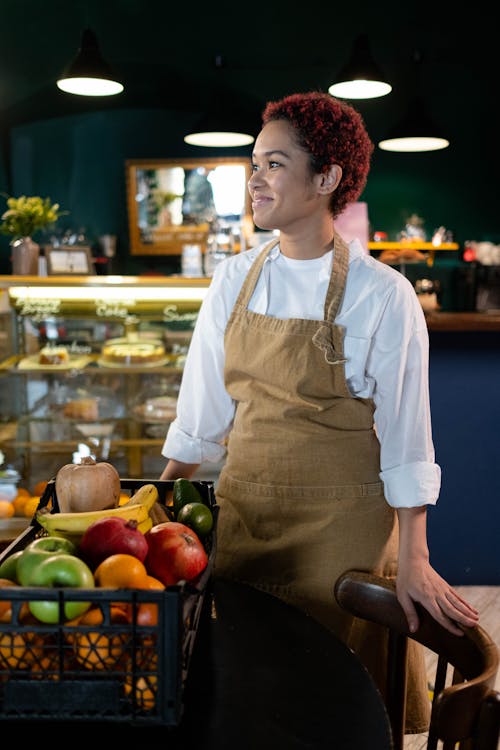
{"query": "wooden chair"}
(465, 706)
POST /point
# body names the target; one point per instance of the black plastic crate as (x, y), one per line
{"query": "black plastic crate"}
(124, 666)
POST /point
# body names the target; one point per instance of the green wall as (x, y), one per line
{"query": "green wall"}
(79, 161)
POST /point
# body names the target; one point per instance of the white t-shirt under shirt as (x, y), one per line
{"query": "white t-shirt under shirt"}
(386, 346)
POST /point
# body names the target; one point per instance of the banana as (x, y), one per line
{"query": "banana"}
(147, 495)
(144, 526)
(158, 514)
(59, 524)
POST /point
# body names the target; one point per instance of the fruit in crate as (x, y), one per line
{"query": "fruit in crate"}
(184, 492)
(93, 648)
(38, 550)
(110, 536)
(175, 553)
(6, 604)
(121, 571)
(60, 571)
(74, 525)
(88, 486)
(198, 517)
(20, 650)
(8, 567)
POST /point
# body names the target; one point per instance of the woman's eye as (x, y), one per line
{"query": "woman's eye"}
(270, 165)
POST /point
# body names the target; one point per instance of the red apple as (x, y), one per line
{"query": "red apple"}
(175, 553)
(110, 536)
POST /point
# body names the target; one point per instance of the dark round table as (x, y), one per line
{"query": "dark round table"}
(262, 675)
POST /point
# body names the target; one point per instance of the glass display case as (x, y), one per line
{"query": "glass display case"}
(94, 367)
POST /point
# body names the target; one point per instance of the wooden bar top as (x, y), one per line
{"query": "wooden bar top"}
(463, 321)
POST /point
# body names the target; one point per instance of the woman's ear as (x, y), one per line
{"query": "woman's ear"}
(330, 179)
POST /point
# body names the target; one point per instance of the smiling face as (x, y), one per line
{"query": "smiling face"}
(285, 193)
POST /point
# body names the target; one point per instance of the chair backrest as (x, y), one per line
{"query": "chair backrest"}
(465, 707)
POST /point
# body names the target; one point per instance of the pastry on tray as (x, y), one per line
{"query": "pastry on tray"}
(158, 409)
(132, 352)
(53, 355)
(86, 409)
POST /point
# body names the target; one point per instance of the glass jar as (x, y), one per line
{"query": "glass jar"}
(220, 245)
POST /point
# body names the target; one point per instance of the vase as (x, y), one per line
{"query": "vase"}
(25, 254)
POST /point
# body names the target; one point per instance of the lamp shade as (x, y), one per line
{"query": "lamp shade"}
(224, 124)
(89, 74)
(213, 130)
(415, 133)
(360, 78)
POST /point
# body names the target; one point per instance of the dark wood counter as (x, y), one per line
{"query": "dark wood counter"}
(463, 321)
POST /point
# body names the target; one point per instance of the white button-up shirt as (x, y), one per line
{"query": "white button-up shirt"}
(386, 346)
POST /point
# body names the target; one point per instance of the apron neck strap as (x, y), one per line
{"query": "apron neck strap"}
(338, 277)
(248, 287)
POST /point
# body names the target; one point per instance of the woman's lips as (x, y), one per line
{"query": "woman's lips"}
(260, 200)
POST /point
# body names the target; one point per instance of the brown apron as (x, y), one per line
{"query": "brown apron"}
(300, 496)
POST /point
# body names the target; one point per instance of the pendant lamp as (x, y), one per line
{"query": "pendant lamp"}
(225, 123)
(218, 129)
(89, 74)
(415, 133)
(360, 78)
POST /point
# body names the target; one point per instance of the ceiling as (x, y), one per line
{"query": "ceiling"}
(165, 55)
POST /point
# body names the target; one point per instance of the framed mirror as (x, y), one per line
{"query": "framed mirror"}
(173, 202)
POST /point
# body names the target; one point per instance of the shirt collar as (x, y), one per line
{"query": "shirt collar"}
(356, 249)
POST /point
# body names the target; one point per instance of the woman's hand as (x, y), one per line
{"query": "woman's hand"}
(417, 581)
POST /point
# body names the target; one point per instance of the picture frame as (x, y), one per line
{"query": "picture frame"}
(69, 261)
(172, 202)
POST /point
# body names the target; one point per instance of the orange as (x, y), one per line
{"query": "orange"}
(147, 612)
(121, 571)
(14, 651)
(47, 667)
(98, 649)
(39, 488)
(123, 498)
(151, 582)
(30, 506)
(6, 604)
(145, 690)
(22, 491)
(20, 651)
(19, 502)
(6, 509)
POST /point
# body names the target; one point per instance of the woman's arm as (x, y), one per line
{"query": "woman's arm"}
(178, 470)
(417, 581)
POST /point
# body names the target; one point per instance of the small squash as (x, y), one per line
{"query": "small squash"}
(87, 486)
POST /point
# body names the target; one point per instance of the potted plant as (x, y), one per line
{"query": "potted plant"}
(25, 216)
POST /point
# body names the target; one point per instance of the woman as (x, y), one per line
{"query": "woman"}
(311, 358)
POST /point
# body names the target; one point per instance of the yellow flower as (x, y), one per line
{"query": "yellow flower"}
(26, 215)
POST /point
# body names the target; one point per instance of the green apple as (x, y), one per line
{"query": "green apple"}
(60, 571)
(8, 567)
(37, 551)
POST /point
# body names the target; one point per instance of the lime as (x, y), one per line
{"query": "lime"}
(198, 517)
(184, 492)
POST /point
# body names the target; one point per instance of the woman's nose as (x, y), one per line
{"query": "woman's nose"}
(253, 181)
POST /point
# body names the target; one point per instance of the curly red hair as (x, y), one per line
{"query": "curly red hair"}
(332, 132)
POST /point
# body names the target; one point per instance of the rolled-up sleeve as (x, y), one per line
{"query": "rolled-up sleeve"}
(399, 364)
(205, 411)
(411, 485)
